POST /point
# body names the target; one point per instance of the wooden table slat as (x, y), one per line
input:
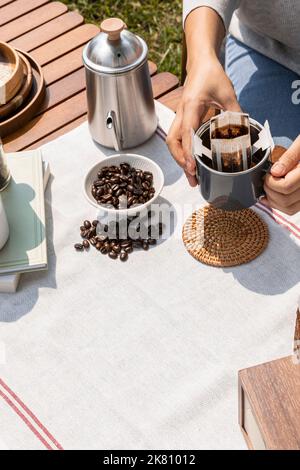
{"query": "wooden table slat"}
(66, 43)
(31, 20)
(47, 32)
(18, 8)
(47, 123)
(5, 2)
(163, 83)
(63, 66)
(152, 67)
(63, 89)
(171, 100)
(61, 131)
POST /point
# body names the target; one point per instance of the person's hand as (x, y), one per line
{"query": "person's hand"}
(206, 85)
(282, 186)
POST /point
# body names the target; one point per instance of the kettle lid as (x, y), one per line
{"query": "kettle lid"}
(114, 49)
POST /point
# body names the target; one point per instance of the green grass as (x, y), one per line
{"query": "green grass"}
(158, 22)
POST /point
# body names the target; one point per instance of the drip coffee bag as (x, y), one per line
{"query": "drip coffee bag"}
(230, 142)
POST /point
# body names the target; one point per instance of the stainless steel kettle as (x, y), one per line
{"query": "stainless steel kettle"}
(121, 112)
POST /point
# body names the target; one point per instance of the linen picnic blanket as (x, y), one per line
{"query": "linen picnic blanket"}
(99, 354)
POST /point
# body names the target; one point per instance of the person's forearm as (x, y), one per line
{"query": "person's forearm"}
(204, 32)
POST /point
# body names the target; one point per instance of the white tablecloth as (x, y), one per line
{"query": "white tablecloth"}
(98, 354)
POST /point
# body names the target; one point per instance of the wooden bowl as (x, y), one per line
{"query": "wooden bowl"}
(31, 105)
(11, 73)
(17, 101)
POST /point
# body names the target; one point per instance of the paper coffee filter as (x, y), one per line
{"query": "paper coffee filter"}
(230, 141)
(264, 141)
(229, 118)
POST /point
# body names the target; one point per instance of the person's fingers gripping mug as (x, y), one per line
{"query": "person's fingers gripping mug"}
(4, 229)
(232, 191)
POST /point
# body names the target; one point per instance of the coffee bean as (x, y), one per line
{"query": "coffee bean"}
(98, 246)
(124, 256)
(95, 223)
(113, 255)
(116, 248)
(93, 241)
(145, 245)
(102, 238)
(119, 192)
(116, 181)
(91, 232)
(128, 249)
(106, 197)
(151, 241)
(125, 166)
(130, 201)
(137, 191)
(86, 244)
(82, 228)
(87, 224)
(126, 243)
(84, 233)
(78, 246)
(103, 250)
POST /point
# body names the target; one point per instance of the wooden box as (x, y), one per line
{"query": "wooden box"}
(269, 405)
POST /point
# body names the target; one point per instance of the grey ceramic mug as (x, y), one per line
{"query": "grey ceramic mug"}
(232, 191)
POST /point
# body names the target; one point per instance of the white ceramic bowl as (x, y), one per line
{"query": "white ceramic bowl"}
(136, 161)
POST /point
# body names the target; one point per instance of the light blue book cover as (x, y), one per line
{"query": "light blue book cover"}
(23, 199)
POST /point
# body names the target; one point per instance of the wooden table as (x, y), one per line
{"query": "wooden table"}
(55, 37)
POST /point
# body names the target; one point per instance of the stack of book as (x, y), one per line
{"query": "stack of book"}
(23, 199)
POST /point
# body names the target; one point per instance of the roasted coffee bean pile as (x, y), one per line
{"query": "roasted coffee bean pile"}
(123, 183)
(116, 247)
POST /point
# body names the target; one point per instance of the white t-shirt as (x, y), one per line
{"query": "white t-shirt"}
(271, 27)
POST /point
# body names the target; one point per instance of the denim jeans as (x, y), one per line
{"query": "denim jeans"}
(264, 90)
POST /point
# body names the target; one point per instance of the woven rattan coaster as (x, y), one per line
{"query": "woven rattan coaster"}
(223, 238)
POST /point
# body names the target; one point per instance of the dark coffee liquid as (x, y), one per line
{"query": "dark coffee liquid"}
(229, 132)
(232, 163)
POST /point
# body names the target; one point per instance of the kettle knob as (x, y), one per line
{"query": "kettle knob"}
(113, 27)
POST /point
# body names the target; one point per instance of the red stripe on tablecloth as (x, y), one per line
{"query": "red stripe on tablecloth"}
(160, 134)
(162, 131)
(276, 214)
(259, 206)
(32, 416)
(23, 417)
